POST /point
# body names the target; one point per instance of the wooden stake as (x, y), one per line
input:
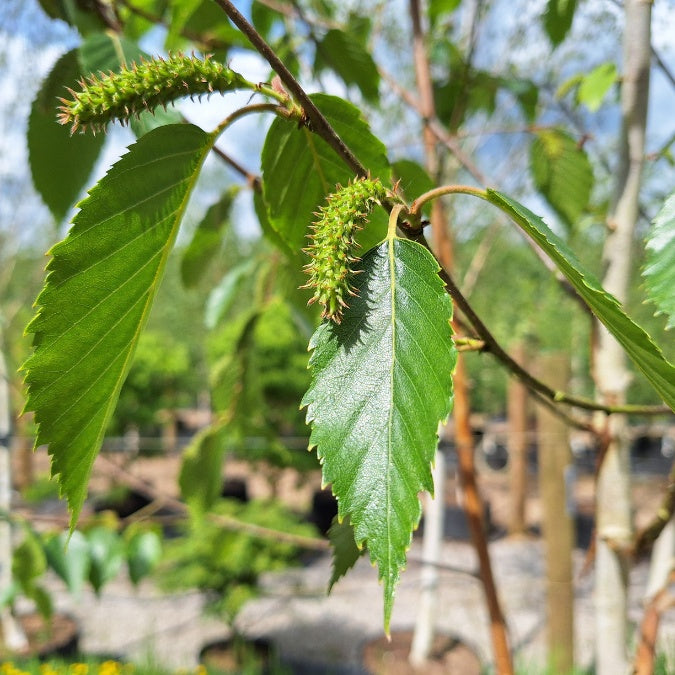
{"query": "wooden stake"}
(555, 488)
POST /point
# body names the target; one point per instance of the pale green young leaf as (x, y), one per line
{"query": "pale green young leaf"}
(594, 86)
(340, 52)
(639, 346)
(562, 173)
(300, 169)
(60, 163)
(206, 240)
(345, 551)
(102, 280)
(558, 18)
(381, 383)
(659, 271)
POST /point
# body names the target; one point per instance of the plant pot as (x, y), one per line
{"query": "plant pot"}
(448, 655)
(236, 653)
(58, 637)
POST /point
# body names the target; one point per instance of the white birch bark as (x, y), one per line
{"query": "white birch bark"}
(12, 636)
(434, 513)
(613, 528)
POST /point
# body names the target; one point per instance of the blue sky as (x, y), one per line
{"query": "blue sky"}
(30, 43)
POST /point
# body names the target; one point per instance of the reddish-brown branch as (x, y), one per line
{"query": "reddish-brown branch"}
(461, 412)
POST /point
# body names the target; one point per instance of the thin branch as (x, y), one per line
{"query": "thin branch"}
(227, 522)
(317, 122)
(492, 346)
(647, 536)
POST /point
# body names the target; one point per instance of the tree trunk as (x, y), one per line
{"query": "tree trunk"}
(434, 512)
(516, 404)
(555, 462)
(613, 529)
(656, 595)
(12, 636)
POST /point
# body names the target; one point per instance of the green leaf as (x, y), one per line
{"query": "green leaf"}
(557, 19)
(562, 173)
(526, 93)
(106, 555)
(438, 8)
(102, 280)
(68, 556)
(637, 343)
(144, 550)
(659, 271)
(206, 240)
(201, 474)
(381, 384)
(60, 163)
(104, 52)
(345, 551)
(594, 87)
(413, 180)
(151, 119)
(28, 562)
(350, 60)
(300, 169)
(224, 294)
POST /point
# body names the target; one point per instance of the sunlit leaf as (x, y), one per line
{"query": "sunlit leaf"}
(381, 383)
(594, 86)
(300, 169)
(102, 280)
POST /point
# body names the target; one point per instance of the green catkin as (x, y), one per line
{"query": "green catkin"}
(144, 86)
(334, 244)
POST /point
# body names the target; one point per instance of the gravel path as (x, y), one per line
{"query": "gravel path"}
(329, 631)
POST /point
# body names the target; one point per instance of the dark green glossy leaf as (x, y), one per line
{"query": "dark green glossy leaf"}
(206, 240)
(350, 60)
(300, 169)
(659, 271)
(381, 384)
(102, 280)
(557, 19)
(60, 163)
(638, 344)
(562, 173)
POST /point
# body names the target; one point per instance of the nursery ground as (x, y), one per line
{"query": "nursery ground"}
(320, 633)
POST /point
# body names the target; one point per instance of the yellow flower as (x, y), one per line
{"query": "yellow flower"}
(79, 668)
(109, 668)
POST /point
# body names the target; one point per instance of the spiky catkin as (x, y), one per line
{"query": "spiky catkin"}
(144, 86)
(334, 244)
